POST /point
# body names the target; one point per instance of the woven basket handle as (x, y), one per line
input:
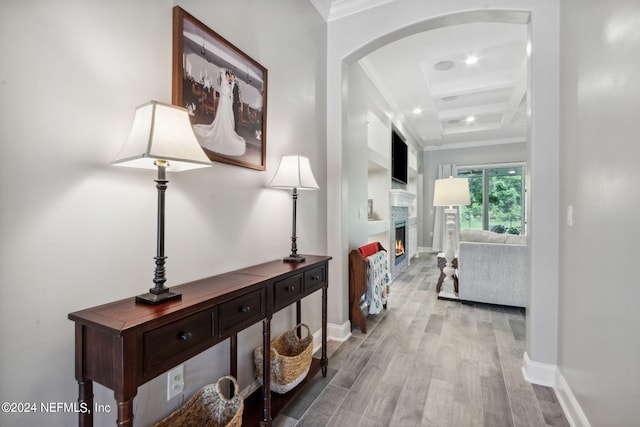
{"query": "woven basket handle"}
(236, 388)
(275, 354)
(299, 325)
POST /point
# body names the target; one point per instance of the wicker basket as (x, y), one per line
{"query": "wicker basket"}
(290, 360)
(209, 407)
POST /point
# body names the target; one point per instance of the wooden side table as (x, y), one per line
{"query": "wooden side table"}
(442, 262)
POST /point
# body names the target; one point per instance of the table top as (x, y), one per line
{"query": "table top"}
(123, 315)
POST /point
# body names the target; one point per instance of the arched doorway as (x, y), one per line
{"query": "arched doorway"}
(541, 331)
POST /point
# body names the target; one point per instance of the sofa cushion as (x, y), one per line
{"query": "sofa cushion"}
(481, 236)
(484, 236)
(515, 239)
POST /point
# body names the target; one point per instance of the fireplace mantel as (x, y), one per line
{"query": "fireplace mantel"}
(401, 198)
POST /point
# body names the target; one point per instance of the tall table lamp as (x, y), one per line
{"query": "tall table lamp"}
(450, 192)
(161, 138)
(294, 173)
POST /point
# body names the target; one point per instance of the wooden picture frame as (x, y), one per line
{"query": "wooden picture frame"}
(224, 90)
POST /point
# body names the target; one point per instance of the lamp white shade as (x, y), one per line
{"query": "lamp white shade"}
(294, 172)
(161, 132)
(451, 192)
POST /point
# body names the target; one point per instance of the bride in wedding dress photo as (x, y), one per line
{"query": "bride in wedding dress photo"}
(219, 136)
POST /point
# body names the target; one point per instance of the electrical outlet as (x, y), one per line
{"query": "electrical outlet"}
(175, 382)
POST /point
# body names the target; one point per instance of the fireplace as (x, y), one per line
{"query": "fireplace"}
(401, 241)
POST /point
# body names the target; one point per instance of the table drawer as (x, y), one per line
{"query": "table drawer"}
(165, 342)
(315, 278)
(287, 291)
(241, 312)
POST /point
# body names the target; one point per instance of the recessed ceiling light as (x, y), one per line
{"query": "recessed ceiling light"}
(449, 98)
(471, 59)
(444, 65)
(417, 110)
(470, 119)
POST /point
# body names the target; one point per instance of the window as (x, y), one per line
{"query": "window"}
(497, 198)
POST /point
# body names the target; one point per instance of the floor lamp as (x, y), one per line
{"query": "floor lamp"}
(450, 192)
(294, 173)
(161, 138)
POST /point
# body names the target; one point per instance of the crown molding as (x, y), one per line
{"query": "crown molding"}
(335, 9)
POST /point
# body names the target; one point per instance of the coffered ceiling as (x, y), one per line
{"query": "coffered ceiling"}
(452, 87)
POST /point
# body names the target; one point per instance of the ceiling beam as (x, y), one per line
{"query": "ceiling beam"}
(518, 94)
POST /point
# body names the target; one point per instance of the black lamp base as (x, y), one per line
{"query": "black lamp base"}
(294, 258)
(153, 298)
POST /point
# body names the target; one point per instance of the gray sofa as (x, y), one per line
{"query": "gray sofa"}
(492, 268)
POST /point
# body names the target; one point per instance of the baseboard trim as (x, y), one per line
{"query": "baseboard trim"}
(339, 333)
(250, 389)
(549, 375)
(335, 332)
(539, 373)
(317, 340)
(572, 409)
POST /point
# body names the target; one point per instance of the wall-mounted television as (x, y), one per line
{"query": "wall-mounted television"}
(399, 158)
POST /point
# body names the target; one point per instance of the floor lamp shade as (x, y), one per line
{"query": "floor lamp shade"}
(161, 138)
(451, 192)
(294, 173)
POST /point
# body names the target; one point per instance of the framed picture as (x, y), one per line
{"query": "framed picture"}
(224, 90)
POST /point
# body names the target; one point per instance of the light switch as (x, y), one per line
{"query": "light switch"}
(570, 216)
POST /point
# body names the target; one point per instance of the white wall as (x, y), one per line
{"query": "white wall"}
(363, 101)
(599, 152)
(78, 233)
(357, 158)
(351, 37)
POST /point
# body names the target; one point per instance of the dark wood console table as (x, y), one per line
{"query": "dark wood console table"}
(124, 344)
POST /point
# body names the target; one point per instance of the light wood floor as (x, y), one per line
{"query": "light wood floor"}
(427, 362)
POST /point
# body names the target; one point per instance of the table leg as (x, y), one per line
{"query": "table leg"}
(299, 316)
(455, 275)
(266, 373)
(440, 280)
(85, 399)
(125, 413)
(233, 359)
(324, 361)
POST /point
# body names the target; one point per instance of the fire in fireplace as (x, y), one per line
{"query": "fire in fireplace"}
(400, 241)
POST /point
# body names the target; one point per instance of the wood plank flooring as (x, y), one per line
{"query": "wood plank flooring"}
(427, 362)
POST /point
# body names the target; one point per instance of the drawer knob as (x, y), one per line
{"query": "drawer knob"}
(316, 277)
(245, 309)
(291, 289)
(185, 336)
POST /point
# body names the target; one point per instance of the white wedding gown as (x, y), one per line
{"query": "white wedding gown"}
(220, 136)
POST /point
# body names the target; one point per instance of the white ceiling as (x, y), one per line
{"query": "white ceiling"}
(493, 90)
